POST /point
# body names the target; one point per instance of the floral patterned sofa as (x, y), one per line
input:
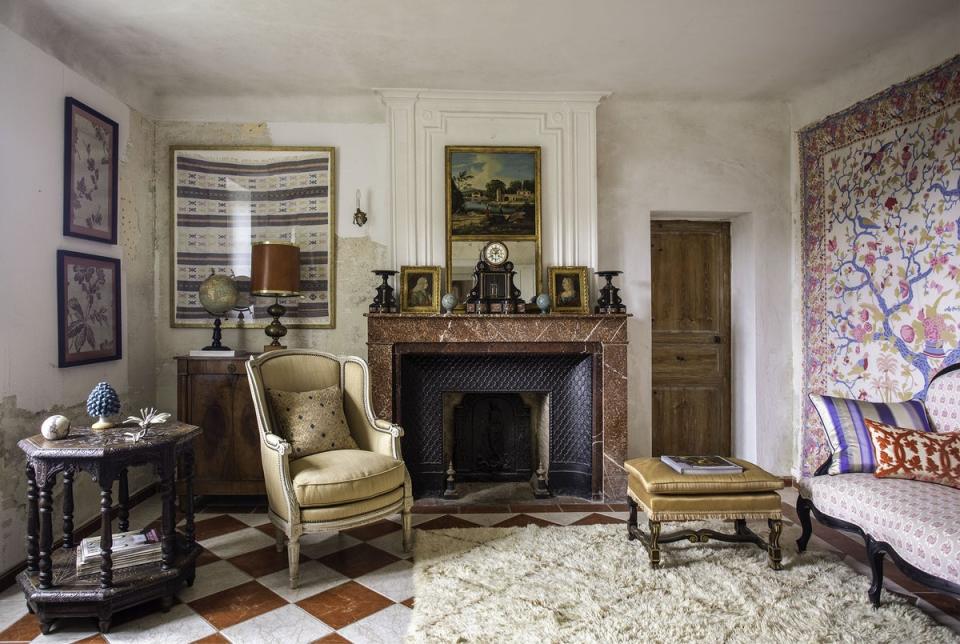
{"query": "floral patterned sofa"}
(916, 523)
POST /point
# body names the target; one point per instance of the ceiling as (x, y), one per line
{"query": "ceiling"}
(153, 52)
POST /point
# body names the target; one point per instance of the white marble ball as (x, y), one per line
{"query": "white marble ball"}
(55, 427)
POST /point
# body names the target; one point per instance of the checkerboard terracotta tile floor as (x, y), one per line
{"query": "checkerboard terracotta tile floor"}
(355, 586)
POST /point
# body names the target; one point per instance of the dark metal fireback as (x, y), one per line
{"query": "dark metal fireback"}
(567, 378)
(491, 438)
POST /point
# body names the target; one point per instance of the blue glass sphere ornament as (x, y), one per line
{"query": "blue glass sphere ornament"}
(102, 402)
(448, 301)
(543, 303)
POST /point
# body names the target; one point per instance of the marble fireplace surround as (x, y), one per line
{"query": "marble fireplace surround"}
(602, 337)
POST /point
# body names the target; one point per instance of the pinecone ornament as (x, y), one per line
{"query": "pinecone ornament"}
(102, 402)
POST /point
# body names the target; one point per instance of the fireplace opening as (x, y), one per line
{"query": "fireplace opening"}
(496, 437)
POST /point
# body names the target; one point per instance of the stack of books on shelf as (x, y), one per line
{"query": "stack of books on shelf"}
(702, 465)
(129, 549)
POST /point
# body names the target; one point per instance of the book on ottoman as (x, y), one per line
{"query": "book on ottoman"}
(129, 549)
(702, 465)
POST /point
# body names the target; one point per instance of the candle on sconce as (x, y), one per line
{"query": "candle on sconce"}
(359, 217)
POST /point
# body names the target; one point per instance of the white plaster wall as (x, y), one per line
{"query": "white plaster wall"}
(912, 54)
(31, 182)
(703, 159)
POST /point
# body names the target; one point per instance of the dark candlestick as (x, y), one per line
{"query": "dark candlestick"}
(609, 301)
(384, 302)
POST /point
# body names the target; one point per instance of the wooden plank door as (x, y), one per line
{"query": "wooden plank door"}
(690, 315)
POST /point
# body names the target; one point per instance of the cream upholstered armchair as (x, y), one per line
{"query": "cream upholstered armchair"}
(336, 489)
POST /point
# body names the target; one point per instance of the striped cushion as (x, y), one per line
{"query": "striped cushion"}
(847, 434)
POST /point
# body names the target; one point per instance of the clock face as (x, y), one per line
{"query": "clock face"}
(495, 253)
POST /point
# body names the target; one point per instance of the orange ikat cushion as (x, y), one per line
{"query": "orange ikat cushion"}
(920, 456)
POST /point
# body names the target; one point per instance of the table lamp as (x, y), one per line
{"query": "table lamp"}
(275, 272)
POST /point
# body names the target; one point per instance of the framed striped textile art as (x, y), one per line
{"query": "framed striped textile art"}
(224, 199)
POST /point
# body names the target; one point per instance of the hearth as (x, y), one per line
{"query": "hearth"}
(490, 438)
(570, 370)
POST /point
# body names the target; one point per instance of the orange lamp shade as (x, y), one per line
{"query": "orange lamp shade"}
(275, 269)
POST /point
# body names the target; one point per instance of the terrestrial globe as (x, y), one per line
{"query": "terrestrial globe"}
(218, 294)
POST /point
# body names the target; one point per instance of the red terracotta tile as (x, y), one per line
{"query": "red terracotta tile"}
(619, 507)
(332, 638)
(446, 522)
(584, 507)
(23, 630)
(595, 519)
(484, 509)
(206, 557)
(237, 604)
(419, 508)
(263, 561)
(534, 507)
(344, 604)
(214, 527)
(357, 560)
(520, 520)
(216, 638)
(267, 528)
(93, 639)
(408, 602)
(372, 530)
(948, 604)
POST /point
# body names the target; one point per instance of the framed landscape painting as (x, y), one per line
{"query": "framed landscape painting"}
(88, 308)
(90, 165)
(493, 192)
(224, 199)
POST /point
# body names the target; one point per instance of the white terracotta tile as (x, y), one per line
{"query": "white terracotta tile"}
(560, 518)
(394, 581)
(252, 519)
(288, 624)
(392, 543)
(314, 578)
(320, 544)
(178, 625)
(237, 542)
(12, 609)
(417, 519)
(213, 578)
(623, 516)
(386, 626)
(68, 630)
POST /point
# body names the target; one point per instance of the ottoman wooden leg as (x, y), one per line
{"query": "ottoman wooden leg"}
(632, 520)
(654, 548)
(774, 555)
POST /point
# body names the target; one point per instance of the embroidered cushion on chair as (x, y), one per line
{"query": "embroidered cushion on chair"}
(846, 432)
(919, 456)
(312, 421)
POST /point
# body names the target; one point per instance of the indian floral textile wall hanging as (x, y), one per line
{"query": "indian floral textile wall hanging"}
(881, 212)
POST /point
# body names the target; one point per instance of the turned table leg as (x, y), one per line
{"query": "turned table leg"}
(106, 532)
(188, 474)
(123, 507)
(46, 532)
(168, 523)
(68, 508)
(33, 521)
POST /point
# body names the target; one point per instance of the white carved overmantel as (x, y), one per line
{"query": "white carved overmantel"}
(422, 122)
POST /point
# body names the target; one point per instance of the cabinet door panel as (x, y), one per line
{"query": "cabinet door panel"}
(246, 436)
(211, 407)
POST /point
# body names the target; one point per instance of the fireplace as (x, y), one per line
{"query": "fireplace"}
(568, 370)
(566, 379)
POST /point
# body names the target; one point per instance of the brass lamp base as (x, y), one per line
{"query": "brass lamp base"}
(275, 329)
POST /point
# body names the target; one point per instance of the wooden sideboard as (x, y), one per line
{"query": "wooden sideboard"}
(214, 394)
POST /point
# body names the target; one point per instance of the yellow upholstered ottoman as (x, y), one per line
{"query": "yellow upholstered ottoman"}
(667, 495)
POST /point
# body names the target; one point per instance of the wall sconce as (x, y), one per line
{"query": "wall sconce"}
(359, 217)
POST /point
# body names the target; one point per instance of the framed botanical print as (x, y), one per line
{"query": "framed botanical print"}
(225, 199)
(420, 289)
(568, 289)
(90, 171)
(88, 308)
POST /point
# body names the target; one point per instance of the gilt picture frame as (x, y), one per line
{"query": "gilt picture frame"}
(89, 324)
(569, 291)
(91, 163)
(225, 198)
(420, 289)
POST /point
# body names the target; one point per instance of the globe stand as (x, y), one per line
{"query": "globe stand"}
(215, 345)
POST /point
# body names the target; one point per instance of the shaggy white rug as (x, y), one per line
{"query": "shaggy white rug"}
(589, 584)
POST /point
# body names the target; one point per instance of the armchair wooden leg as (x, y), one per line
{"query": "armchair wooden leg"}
(279, 536)
(406, 517)
(293, 560)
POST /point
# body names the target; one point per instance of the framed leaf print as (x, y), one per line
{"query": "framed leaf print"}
(90, 162)
(88, 308)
